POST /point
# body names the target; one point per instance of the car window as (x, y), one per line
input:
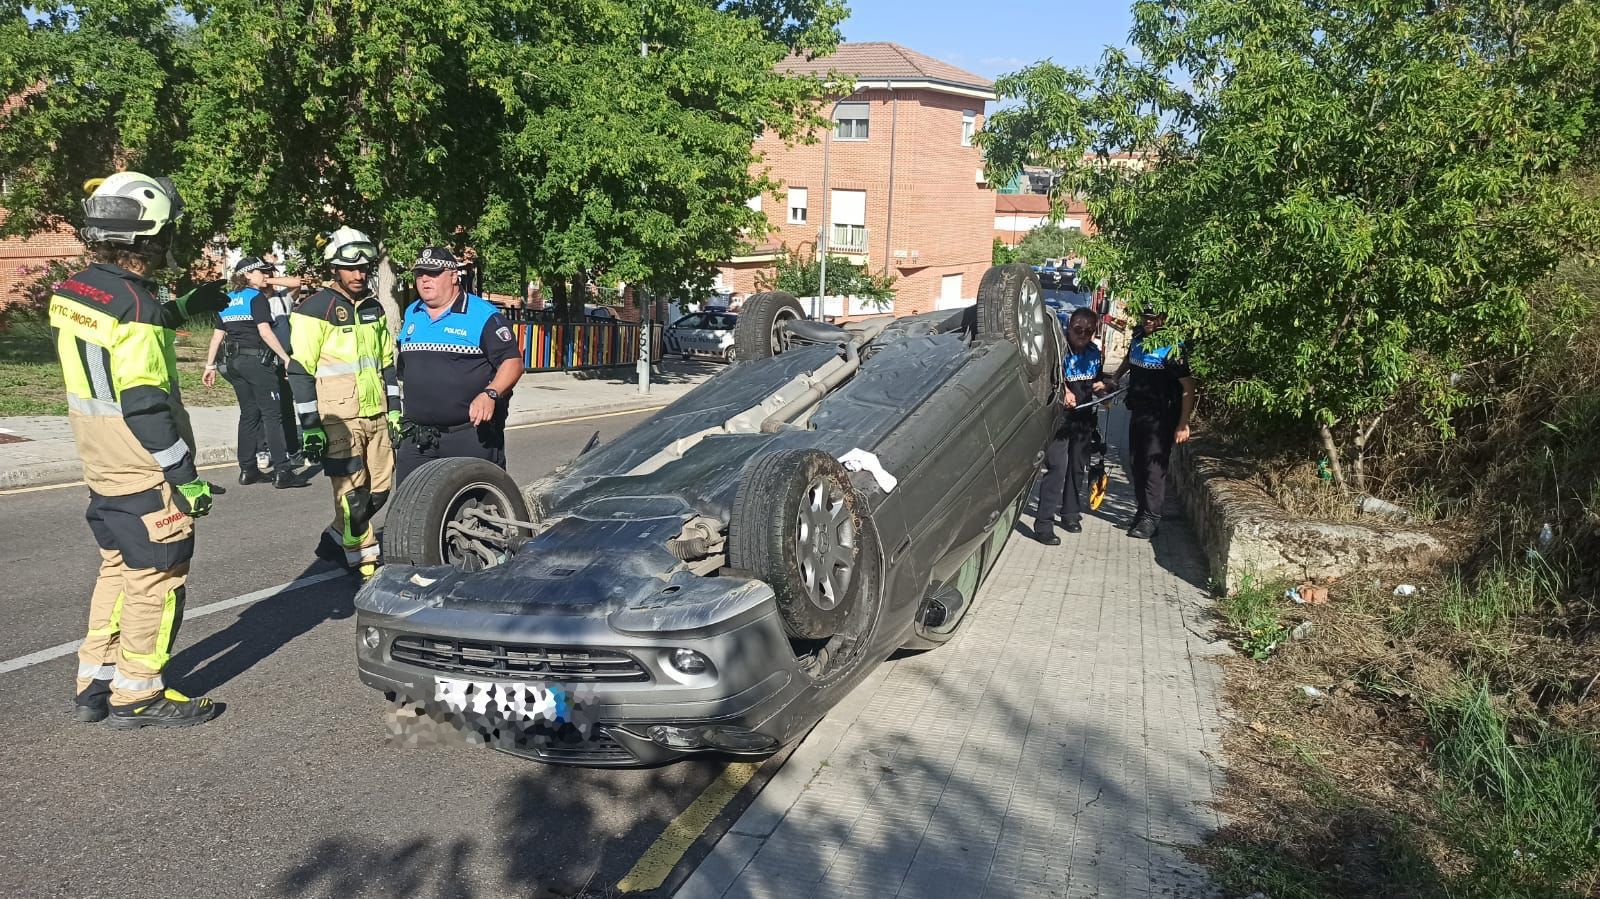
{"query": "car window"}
(721, 322)
(693, 320)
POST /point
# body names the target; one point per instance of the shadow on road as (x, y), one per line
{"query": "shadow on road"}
(261, 629)
(552, 841)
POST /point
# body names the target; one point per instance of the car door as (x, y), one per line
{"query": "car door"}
(680, 334)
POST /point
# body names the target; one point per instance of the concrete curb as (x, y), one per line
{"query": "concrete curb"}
(1244, 533)
(66, 471)
(718, 870)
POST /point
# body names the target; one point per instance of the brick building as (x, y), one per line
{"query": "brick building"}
(23, 259)
(1017, 214)
(906, 193)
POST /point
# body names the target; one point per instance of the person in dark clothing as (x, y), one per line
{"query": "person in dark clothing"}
(251, 356)
(1160, 399)
(1065, 483)
(459, 360)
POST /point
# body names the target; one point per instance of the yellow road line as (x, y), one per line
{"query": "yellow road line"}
(658, 861)
(537, 424)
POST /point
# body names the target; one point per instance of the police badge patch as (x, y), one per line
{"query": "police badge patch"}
(342, 314)
(503, 333)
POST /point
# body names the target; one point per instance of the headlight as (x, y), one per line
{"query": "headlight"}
(687, 661)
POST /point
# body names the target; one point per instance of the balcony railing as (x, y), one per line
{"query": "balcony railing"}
(848, 239)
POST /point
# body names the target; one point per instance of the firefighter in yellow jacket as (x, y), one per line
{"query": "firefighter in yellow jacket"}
(342, 373)
(115, 343)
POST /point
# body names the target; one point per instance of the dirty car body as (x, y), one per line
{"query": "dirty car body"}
(623, 590)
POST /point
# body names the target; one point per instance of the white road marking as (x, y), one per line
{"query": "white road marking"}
(56, 652)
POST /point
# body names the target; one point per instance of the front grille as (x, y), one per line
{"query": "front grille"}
(518, 660)
(561, 746)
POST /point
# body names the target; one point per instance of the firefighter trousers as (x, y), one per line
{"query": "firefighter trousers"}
(137, 604)
(360, 463)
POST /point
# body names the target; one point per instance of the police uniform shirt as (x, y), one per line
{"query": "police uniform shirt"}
(246, 308)
(1081, 370)
(1154, 376)
(446, 363)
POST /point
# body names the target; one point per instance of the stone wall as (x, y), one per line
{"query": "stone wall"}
(1243, 532)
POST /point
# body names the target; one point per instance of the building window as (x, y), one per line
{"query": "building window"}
(754, 203)
(850, 121)
(950, 289)
(969, 124)
(797, 206)
(848, 210)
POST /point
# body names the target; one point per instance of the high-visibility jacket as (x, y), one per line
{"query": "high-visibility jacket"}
(341, 359)
(116, 346)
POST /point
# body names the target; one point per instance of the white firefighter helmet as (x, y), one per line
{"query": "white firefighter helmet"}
(349, 248)
(128, 206)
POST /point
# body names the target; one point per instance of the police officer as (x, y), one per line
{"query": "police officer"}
(342, 371)
(459, 360)
(115, 342)
(1066, 460)
(1160, 399)
(251, 356)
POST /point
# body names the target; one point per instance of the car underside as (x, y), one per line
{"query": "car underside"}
(716, 578)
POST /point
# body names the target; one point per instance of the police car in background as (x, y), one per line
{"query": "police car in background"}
(708, 333)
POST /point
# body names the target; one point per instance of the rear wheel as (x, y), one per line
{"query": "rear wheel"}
(451, 512)
(796, 524)
(730, 355)
(1010, 307)
(760, 332)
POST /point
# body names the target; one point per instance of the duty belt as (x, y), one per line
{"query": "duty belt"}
(232, 349)
(426, 437)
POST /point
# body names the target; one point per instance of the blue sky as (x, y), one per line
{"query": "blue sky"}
(998, 37)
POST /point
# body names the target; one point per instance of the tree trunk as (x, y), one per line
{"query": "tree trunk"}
(389, 290)
(1333, 458)
(558, 297)
(1363, 435)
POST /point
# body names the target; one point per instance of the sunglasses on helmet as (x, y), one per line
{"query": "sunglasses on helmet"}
(356, 253)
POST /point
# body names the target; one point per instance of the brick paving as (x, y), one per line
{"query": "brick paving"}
(1062, 745)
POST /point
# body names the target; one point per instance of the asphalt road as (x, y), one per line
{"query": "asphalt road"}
(297, 789)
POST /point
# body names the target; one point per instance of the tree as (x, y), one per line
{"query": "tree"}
(1001, 254)
(799, 272)
(1050, 242)
(84, 89)
(534, 130)
(1341, 203)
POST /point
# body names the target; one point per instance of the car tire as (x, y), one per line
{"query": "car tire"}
(436, 494)
(1011, 307)
(758, 334)
(796, 524)
(730, 355)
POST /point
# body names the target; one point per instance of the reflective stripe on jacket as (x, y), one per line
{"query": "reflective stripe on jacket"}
(341, 360)
(120, 368)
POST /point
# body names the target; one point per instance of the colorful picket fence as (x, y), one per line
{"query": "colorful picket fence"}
(565, 346)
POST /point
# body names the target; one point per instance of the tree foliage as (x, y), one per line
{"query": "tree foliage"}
(533, 129)
(1050, 242)
(799, 272)
(1341, 202)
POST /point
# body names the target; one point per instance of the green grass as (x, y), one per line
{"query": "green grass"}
(1499, 594)
(30, 376)
(1528, 809)
(1252, 613)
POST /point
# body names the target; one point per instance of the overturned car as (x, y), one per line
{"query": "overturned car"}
(716, 578)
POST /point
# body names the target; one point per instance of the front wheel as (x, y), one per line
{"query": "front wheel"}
(796, 524)
(454, 512)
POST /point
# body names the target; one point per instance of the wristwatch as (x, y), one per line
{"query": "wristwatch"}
(493, 393)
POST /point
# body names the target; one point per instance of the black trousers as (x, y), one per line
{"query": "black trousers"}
(260, 408)
(486, 441)
(1150, 438)
(1065, 485)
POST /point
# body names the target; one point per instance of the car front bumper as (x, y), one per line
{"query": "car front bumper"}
(638, 708)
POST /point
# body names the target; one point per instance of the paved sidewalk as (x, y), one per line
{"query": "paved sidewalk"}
(1062, 745)
(47, 455)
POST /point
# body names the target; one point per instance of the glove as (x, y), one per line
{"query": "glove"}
(313, 443)
(395, 431)
(194, 498)
(210, 297)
